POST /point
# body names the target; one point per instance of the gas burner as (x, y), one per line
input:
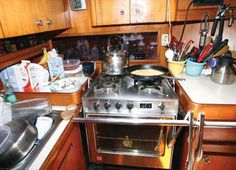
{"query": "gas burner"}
(150, 89)
(107, 87)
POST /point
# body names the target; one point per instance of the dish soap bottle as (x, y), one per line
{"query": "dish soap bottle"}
(9, 95)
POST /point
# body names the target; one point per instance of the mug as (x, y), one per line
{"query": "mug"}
(88, 68)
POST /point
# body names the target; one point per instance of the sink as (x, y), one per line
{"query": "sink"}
(39, 144)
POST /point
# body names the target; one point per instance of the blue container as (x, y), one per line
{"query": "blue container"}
(194, 68)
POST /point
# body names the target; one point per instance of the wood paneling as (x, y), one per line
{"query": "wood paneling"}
(81, 25)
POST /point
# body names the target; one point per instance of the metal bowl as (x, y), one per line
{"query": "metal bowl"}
(22, 140)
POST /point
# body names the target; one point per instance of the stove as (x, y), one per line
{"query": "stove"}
(110, 102)
(121, 95)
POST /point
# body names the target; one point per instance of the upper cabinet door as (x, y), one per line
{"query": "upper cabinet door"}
(17, 17)
(22, 17)
(1, 32)
(57, 19)
(147, 11)
(110, 12)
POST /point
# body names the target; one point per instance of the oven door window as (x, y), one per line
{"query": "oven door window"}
(130, 139)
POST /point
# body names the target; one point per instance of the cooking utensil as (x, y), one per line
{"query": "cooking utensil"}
(22, 140)
(215, 49)
(204, 52)
(163, 73)
(204, 27)
(187, 47)
(218, 53)
(219, 17)
(115, 62)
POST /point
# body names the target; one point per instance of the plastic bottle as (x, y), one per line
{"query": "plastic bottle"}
(9, 95)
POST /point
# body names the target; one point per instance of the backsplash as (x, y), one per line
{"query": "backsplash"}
(90, 48)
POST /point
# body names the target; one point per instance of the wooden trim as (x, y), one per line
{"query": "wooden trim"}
(212, 111)
(60, 143)
(59, 99)
(56, 149)
(15, 57)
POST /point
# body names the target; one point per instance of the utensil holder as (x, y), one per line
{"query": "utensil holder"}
(176, 67)
(194, 68)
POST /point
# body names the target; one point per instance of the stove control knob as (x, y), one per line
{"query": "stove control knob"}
(107, 105)
(162, 106)
(118, 105)
(130, 106)
(96, 105)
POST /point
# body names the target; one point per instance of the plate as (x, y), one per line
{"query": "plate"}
(69, 84)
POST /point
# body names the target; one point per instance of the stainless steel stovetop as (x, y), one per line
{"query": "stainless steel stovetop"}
(122, 96)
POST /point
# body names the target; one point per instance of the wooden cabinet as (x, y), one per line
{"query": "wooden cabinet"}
(219, 149)
(22, 17)
(117, 12)
(196, 12)
(1, 33)
(68, 152)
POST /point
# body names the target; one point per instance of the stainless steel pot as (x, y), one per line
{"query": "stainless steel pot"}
(23, 137)
(224, 72)
(114, 62)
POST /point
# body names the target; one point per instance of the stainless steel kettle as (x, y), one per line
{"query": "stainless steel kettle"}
(114, 62)
(224, 72)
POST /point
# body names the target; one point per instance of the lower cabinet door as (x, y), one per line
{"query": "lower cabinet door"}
(213, 162)
(71, 155)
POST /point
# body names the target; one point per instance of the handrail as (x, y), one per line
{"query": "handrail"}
(159, 122)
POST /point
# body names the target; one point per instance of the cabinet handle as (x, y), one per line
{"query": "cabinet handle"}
(205, 159)
(122, 12)
(39, 22)
(49, 22)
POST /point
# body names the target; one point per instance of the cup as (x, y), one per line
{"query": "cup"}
(193, 68)
(88, 68)
(176, 67)
(43, 124)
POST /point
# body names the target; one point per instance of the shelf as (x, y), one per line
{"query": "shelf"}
(15, 57)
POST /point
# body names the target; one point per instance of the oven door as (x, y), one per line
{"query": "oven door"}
(129, 145)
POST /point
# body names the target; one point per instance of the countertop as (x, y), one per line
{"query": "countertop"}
(202, 90)
(200, 94)
(39, 160)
